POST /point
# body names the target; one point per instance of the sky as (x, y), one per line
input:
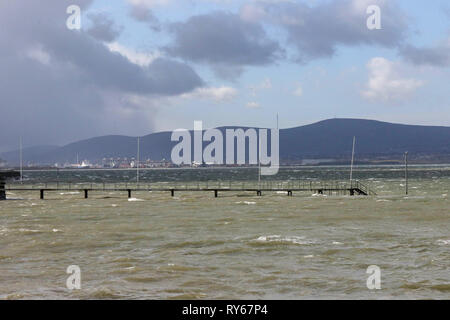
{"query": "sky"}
(140, 66)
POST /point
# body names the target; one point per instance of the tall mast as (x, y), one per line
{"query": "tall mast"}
(21, 159)
(353, 157)
(137, 162)
(406, 172)
(259, 159)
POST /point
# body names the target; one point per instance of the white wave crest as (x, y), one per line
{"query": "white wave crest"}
(280, 239)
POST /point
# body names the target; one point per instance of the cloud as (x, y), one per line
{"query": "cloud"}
(149, 3)
(222, 40)
(266, 84)
(252, 13)
(219, 94)
(59, 85)
(298, 91)
(253, 105)
(103, 27)
(437, 56)
(143, 59)
(39, 54)
(386, 84)
(317, 31)
(142, 13)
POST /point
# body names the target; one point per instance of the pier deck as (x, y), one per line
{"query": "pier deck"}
(331, 188)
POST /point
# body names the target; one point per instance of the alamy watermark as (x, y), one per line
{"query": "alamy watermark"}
(374, 20)
(73, 22)
(74, 280)
(374, 280)
(235, 147)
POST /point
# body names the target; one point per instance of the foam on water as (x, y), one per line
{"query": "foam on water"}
(281, 239)
(245, 202)
(135, 199)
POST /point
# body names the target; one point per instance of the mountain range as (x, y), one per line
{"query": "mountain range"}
(328, 139)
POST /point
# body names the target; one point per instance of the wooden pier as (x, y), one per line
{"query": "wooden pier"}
(216, 187)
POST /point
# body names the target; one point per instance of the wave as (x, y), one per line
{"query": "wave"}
(135, 199)
(280, 239)
(246, 202)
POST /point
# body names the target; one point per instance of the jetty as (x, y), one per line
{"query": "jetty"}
(215, 187)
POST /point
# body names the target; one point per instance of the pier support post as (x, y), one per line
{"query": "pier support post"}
(259, 193)
(215, 193)
(2, 190)
(42, 194)
(172, 192)
(5, 175)
(129, 193)
(85, 193)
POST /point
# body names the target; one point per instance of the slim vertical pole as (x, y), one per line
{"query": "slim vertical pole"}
(353, 157)
(406, 172)
(21, 159)
(137, 163)
(259, 160)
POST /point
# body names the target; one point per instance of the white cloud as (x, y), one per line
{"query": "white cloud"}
(252, 13)
(253, 105)
(218, 94)
(266, 84)
(39, 54)
(298, 91)
(149, 3)
(385, 83)
(142, 59)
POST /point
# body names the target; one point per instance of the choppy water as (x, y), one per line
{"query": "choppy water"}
(237, 246)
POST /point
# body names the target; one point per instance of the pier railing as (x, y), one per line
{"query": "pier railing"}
(330, 187)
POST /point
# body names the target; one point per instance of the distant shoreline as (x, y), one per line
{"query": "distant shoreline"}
(400, 166)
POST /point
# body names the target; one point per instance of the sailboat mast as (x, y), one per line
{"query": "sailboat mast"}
(353, 158)
(259, 159)
(137, 162)
(21, 159)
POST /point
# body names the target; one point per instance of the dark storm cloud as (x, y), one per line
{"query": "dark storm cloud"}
(103, 27)
(317, 31)
(223, 39)
(59, 85)
(229, 42)
(438, 56)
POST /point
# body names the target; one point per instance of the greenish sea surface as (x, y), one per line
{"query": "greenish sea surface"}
(236, 246)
